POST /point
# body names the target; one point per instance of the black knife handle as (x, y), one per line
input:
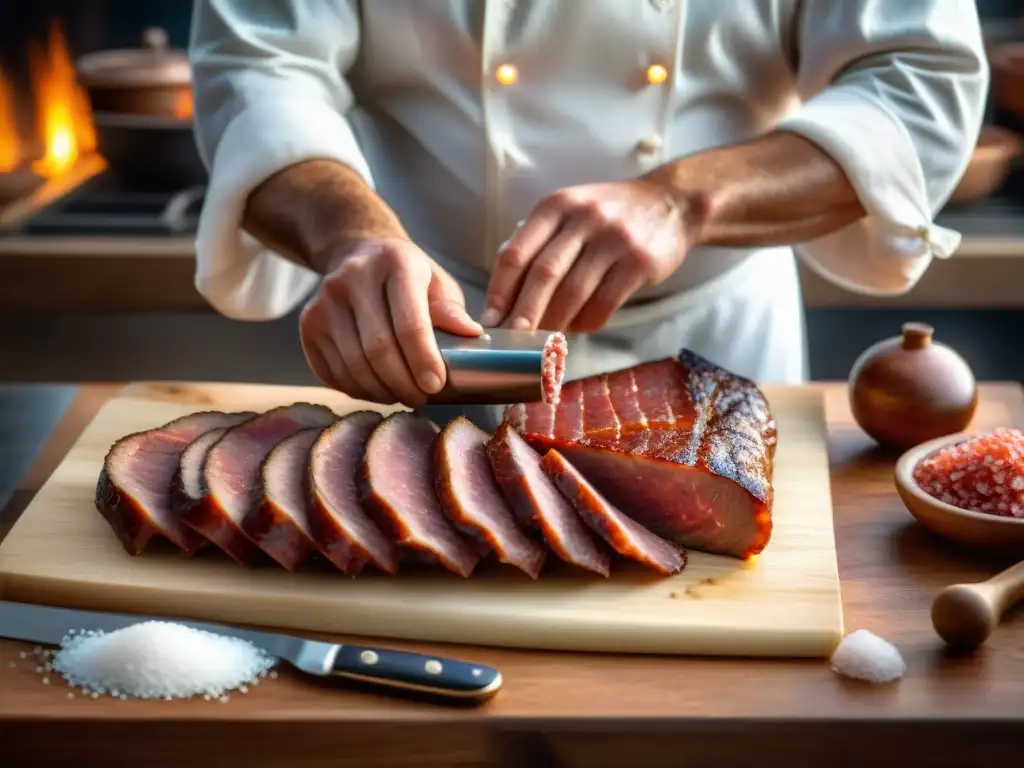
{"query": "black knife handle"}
(415, 672)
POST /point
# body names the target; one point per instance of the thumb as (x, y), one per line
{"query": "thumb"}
(448, 305)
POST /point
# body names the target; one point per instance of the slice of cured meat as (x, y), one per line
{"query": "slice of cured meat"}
(133, 492)
(343, 531)
(538, 504)
(687, 450)
(626, 537)
(473, 502)
(231, 475)
(280, 524)
(398, 489)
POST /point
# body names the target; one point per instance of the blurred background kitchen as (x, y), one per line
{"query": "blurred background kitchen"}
(98, 209)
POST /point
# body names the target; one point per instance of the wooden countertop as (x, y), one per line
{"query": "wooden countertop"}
(576, 710)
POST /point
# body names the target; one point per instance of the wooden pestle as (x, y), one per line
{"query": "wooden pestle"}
(964, 615)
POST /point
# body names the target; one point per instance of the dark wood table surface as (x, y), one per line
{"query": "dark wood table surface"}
(561, 709)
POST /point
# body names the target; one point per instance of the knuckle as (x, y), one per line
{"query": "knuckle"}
(412, 331)
(512, 258)
(379, 348)
(546, 269)
(616, 234)
(557, 201)
(591, 213)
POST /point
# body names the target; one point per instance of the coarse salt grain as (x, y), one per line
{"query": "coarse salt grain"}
(863, 655)
(981, 474)
(158, 659)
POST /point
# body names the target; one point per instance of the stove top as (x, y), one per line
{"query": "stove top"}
(102, 206)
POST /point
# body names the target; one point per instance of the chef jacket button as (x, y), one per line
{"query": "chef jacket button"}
(656, 74)
(649, 145)
(506, 74)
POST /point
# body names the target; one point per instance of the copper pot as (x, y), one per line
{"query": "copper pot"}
(990, 164)
(154, 80)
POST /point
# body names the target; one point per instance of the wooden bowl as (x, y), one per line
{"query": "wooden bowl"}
(975, 530)
(990, 164)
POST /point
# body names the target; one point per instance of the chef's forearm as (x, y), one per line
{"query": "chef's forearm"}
(774, 190)
(307, 209)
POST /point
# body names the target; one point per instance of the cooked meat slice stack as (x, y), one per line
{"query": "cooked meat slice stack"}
(644, 462)
(473, 502)
(231, 475)
(398, 489)
(626, 537)
(686, 449)
(539, 505)
(343, 531)
(280, 524)
(134, 488)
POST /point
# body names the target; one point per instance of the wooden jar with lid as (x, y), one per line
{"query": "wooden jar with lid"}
(910, 389)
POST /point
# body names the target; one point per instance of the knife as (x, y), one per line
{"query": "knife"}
(437, 676)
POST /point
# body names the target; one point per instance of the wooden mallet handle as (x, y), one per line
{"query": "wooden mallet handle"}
(965, 615)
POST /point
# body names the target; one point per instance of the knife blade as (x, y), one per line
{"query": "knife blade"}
(437, 676)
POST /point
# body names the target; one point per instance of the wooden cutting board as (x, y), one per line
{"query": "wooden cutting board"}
(785, 602)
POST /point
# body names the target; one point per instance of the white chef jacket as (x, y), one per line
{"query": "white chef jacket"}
(413, 94)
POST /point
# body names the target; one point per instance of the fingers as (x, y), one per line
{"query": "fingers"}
(325, 360)
(514, 259)
(344, 336)
(380, 347)
(545, 273)
(414, 330)
(615, 289)
(578, 286)
(447, 305)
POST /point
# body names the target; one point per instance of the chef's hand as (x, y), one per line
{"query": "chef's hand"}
(583, 252)
(368, 331)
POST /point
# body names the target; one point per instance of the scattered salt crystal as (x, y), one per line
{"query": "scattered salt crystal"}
(158, 659)
(23, 655)
(273, 674)
(12, 664)
(46, 681)
(39, 670)
(37, 650)
(71, 695)
(863, 655)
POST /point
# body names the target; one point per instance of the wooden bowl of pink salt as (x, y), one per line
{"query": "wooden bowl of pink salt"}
(968, 488)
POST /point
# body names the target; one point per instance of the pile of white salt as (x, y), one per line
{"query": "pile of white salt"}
(863, 655)
(159, 659)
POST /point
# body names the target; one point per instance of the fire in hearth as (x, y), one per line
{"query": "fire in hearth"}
(63, 120)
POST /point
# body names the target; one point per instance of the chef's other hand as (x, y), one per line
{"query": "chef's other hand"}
(583, 252)
(368, 331)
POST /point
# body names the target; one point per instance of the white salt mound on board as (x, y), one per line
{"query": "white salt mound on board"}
(159, 659)
(863, 655)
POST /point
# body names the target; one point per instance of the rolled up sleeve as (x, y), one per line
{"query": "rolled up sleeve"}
(895, 93)
(270, 91)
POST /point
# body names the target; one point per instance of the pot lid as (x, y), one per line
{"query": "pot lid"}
(155, 63)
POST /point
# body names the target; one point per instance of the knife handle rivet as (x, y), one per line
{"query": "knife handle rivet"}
(477, 672)
(369, 657)
(433, 667)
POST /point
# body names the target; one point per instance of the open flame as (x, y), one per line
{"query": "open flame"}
(10, 140)
(62, 107)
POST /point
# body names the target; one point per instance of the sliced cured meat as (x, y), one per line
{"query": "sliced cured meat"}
(280, 524)
(552, 367)
(344, 533)
(187, 487)
(231, 475)
(133, 492)
(688, 450)
(538, 504)
(473, 502)
(397, 488)
(626, 536)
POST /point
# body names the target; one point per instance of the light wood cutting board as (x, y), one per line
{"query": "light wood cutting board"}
(786, 602)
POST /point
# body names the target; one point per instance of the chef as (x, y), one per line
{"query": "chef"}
(642, 174)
